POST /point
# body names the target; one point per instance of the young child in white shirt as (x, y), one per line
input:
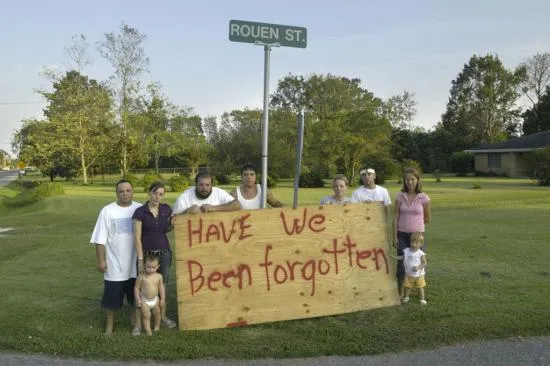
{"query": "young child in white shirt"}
(415, 263)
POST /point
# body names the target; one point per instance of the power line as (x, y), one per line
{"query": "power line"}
(14, 103)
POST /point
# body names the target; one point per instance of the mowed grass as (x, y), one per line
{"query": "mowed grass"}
(488, 277)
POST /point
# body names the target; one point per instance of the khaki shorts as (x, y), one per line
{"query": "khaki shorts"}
(414, 282)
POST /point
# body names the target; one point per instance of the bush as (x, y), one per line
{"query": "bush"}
(311, 180)
(538, 166)
(271, 181)
(222, 179)
(131, 178)
(149, 178)
(476, 186)
(48, 189)
(437, 175)
(178, 183)
(462, 163)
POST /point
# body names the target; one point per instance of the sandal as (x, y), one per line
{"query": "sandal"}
(136, 331)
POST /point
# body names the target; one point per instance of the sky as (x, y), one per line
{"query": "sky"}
(392, 46)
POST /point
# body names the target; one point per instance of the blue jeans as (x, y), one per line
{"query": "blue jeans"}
(165, 261)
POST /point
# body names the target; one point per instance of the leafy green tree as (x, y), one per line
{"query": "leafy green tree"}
(537, 78)
(400, 110)
(125, 52)
(343, 121)
(79, 110)
(537, 119)
(482, 102)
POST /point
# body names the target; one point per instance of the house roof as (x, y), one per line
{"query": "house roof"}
(539, 140)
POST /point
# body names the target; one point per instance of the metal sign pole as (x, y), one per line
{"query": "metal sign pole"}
(265, 124)
(299, 148)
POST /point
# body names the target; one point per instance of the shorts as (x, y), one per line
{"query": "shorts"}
(114, 291)
(414, 282)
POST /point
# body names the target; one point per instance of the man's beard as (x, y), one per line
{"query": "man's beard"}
(202, 195)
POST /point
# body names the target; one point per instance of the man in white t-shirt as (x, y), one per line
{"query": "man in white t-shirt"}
(371, 192)
(204, 198)
(113, 238)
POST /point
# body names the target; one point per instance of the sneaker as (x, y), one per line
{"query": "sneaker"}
(168, 323)
(136, 331)
(405, 300)
(423, 302)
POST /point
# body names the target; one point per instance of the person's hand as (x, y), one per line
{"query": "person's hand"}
(102, 266)
(161, 302)
(415, 268)
(208, 208)
(138, 303)
(194, 210)
(141, 267)
(396, 242)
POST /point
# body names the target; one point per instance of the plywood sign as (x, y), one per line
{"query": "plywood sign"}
(246, 267)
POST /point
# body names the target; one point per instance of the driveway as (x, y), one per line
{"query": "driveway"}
(7, 176)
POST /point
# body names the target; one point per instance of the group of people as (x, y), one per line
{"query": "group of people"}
(412, 211)
(134, 254)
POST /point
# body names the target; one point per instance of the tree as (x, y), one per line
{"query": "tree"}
(38, 144)
(343, 120)
(537, 76)
(127, 56)
(80, 113)
(537, 119)
(481, 104)
(400, 110)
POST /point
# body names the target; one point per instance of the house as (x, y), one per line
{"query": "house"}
(506, 157)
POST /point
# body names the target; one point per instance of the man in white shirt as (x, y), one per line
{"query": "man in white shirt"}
(204, 198)
(371, 192)
(113, 238)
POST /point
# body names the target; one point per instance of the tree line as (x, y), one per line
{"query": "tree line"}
(98, 127)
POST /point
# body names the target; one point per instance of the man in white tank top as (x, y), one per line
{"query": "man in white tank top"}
(249, 193)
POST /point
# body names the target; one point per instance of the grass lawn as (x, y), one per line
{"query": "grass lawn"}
(488, 277)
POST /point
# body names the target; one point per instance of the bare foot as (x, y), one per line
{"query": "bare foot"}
(149, 333)
(156, 329)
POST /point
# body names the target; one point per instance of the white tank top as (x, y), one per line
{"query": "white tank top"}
(253, 203)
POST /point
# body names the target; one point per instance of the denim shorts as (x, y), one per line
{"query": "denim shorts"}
(114, 292)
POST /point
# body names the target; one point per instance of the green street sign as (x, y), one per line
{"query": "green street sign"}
(264, 33)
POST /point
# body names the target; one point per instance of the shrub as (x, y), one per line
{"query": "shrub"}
(178, 183)
(538, 166)
(311, 180)
(149, 178)
(131, 178)
(271, 180)
(437, 175)
(48, 189)
(462, 163)
(222, 179)
(476, 186)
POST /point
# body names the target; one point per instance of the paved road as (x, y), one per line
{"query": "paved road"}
(510, 352)
(7, 176)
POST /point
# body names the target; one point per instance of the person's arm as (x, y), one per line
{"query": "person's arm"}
(137, 290)
(273, 202)
(138, 245)
(423, 263)
(229, 206)
(162, 292)
(427, 212)
(100, 258)
(233, 193)
(395, 222)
